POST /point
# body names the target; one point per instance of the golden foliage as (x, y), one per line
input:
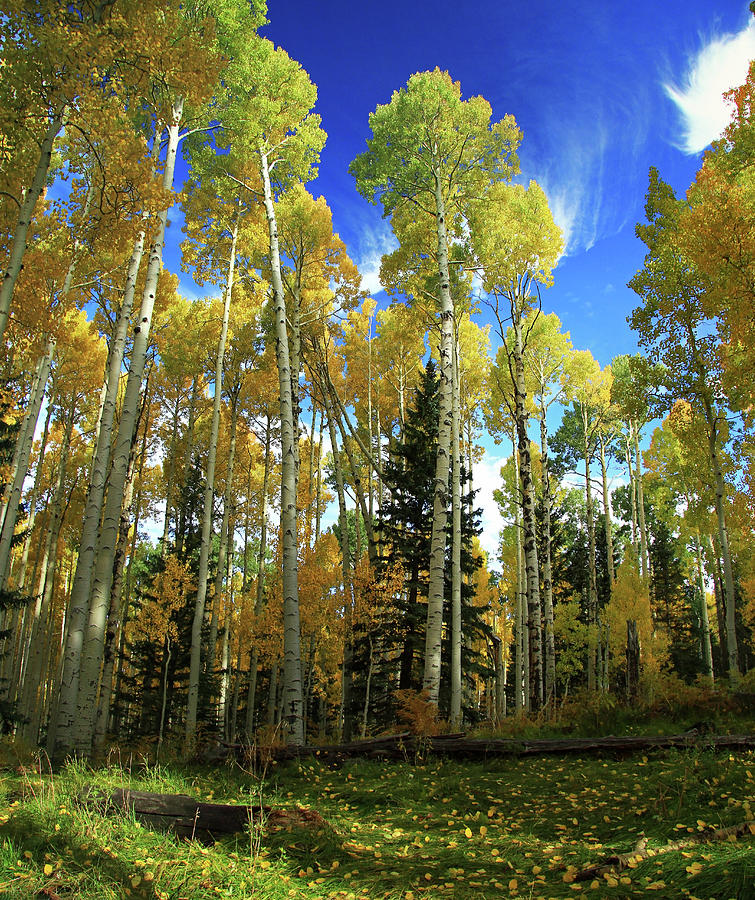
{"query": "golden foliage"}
(630, 600)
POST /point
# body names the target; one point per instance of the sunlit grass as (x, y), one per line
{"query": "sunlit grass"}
(434, 829)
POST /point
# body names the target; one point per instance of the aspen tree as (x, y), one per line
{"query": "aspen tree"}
(207, 509)
(432, 152)
(547, 370)
(274, 121)
(671, 324)
(517, 244)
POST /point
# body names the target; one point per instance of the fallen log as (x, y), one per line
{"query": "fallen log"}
(188, 817)
(623, 861)
(458, 746)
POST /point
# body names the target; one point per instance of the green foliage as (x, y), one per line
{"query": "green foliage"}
(405, 523)
(514, 827)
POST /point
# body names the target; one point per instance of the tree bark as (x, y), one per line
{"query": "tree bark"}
(91, 657)
(293, 698)
(260, 598)
(550, 641)
(436, 582)
(644, 558)
(204, 551)
(456, 626)
(25, 442)
(31, 702)
(608, 517)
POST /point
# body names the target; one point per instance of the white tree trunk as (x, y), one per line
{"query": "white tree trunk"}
(608, 516)
(531, 564)
(431, 680)
(25, 442)
(30, 699)
(644, 558)
(456, 627)
(292, 684)
(204, 550)
(705, 646)
(91, 657)
(550, 641)
(78, 604)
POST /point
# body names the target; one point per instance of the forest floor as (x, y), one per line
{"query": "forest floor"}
(410, 830)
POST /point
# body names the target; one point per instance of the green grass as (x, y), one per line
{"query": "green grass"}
(435, 829)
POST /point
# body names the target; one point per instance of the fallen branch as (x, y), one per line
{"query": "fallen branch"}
(406, 746)
(627, 860)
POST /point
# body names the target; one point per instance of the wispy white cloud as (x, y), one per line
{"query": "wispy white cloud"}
(374, 242)
(719, 65)
(593, 161)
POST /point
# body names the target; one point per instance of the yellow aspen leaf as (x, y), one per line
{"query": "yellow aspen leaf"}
(594, 885)
(536, 870)
(428, 876)
(695, 868)
(625, 879)
(136, 881)
(513, 884)
(48, 870)
(468, 832)
(483, 830)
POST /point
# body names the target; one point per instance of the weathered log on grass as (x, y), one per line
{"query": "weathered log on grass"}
(207, 822)
(407, 746)
(622, 861)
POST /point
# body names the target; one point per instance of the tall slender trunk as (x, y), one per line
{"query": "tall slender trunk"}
(33, 500)
(91, 656)
(608, 517)
(225, 547)
(592, 581)
(188, 452)
(550, 641)
(260, 598)
(25, 215)
(12, 659)
(732, 652)
(644, 558)
(705, 647)
(348, 597)
(531, 563)
(436, 581)
(23, 454)
(456, 627)
(204, 550)
(169, 487)
(632, 489)
(715, 571)
(30, 701)
(522, 629)
(116, 608)
(292, 682)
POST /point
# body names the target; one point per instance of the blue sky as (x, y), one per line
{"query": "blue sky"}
(601, 91)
